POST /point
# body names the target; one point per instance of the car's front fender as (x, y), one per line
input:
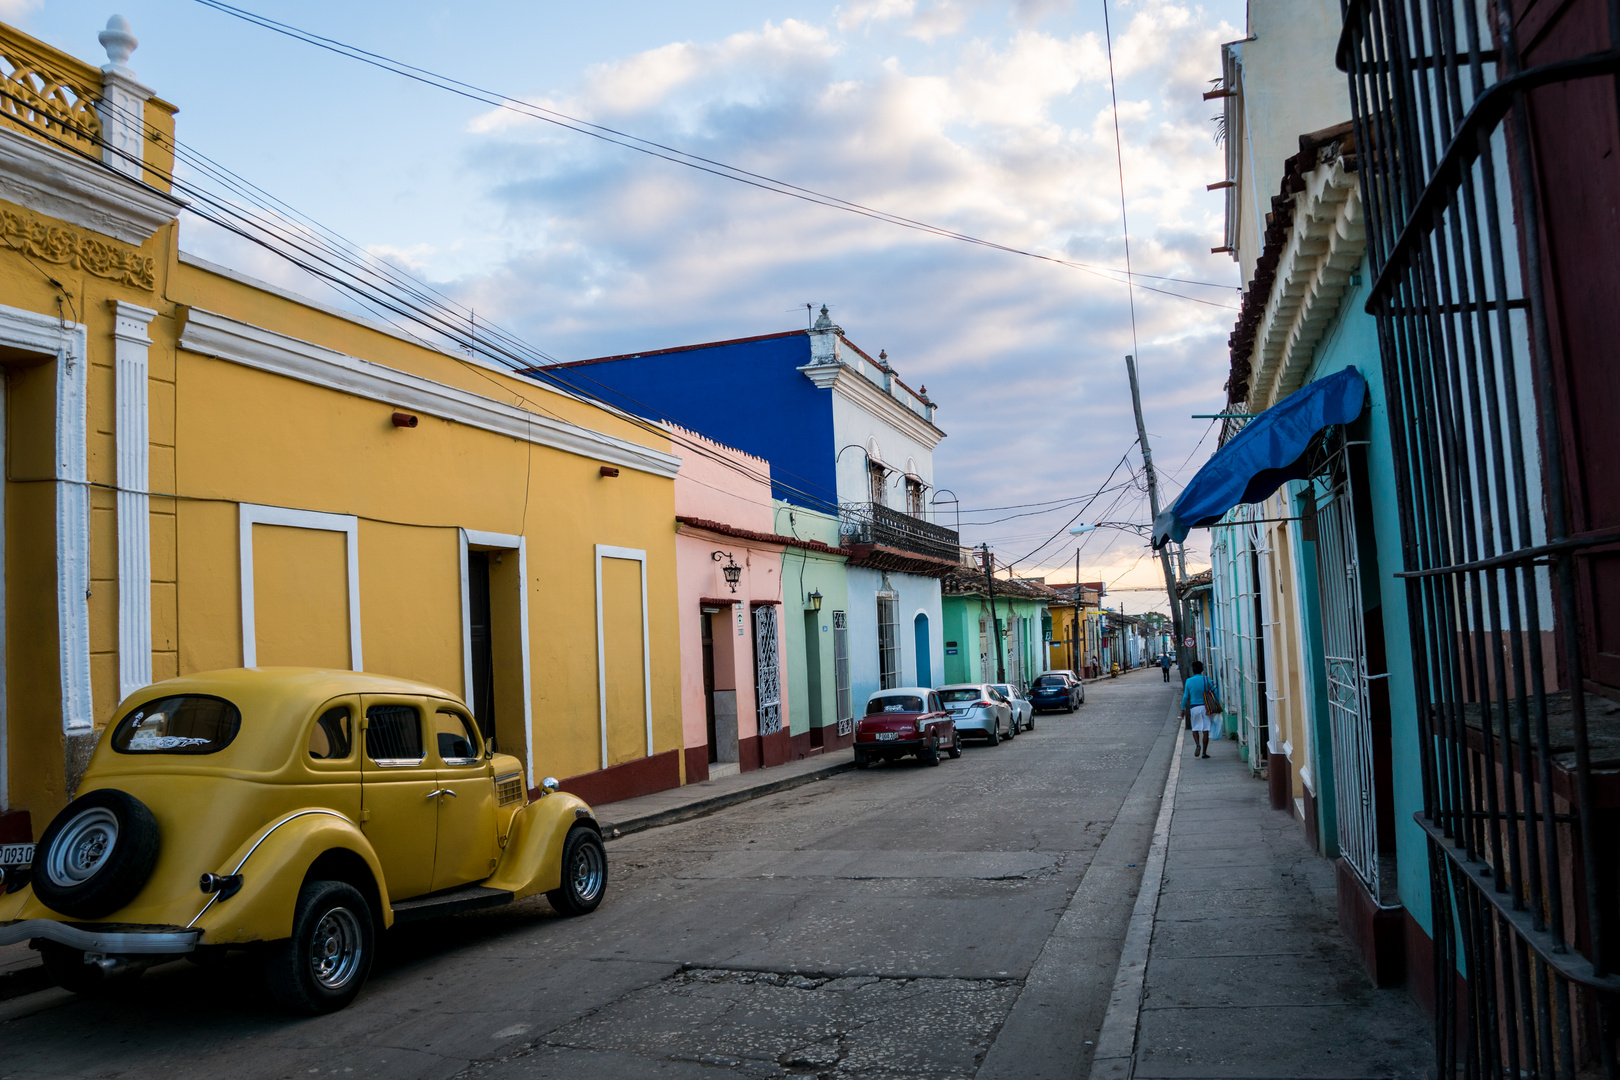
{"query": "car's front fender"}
(531, 861)
(273, 864)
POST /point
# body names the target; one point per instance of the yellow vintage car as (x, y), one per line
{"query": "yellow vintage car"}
(295, 812)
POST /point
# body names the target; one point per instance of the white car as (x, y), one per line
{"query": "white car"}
(1023, 713)
(979, 710)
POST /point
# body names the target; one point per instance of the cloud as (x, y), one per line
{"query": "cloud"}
(16, 9)
(866, 11)
(587, 249)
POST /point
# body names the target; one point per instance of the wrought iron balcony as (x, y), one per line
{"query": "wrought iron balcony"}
(874, 523)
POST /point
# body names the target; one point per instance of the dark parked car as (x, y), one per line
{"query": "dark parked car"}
(1053, 691)
(905, 720)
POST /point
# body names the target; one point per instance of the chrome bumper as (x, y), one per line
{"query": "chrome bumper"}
(118, 942)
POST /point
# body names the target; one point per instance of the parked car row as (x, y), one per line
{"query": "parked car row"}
(928, 723)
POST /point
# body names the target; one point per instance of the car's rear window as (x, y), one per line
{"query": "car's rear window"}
(895, 703)
(970, 693)
(183, 724)
(1051, 682)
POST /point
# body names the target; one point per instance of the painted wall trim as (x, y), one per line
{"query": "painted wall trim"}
(509, 543)
(225, 338)
(840, 379)
(67, 342)
(42, 178)
(132, 434)
(606, 551)
(250, 515)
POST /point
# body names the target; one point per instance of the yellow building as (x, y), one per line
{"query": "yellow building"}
(203, 471)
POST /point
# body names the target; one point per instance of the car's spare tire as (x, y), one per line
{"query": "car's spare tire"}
(96, 855)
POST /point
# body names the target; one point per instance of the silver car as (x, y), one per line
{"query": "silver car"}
(979, 710)
(1023, 713)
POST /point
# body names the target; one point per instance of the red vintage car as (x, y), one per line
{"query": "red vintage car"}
(905, 720)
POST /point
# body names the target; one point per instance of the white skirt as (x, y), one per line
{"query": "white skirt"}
(1201, 720)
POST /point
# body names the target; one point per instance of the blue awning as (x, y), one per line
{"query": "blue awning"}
(1264, 455)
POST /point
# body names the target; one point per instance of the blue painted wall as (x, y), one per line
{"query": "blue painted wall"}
(749, 395)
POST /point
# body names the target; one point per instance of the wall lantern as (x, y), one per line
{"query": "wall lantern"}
(814, 600)
(731, 570)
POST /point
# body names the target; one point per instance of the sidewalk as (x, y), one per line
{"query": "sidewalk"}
(696, 800)
(1247, 972)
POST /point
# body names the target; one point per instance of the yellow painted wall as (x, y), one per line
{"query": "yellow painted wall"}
(622, 649)
(301, 597)
(222, 434)
(410, 603)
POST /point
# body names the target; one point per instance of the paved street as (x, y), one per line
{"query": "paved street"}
(874, 924)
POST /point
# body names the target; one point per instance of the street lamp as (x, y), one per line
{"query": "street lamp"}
(731, 570)
(814, 600)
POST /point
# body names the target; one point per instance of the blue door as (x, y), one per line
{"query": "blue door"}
(925, 674)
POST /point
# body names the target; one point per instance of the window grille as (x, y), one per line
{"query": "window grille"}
(914, 498)
(876, 474)
(841, 689)
(1474, 190)
(888, 643)
(1349, 702)
(987, 669)
(767, 676)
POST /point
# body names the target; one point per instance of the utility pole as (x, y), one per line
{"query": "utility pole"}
(1182, 661)
(995, 623)
(1077, 661)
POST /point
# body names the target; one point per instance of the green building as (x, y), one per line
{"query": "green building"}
(1018, 624)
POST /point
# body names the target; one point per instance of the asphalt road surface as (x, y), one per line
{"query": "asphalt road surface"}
(898, 922)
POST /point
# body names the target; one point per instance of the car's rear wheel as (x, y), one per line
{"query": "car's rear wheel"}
(861, 760)
(993, 736)
(956, 745)
(321, 968)
(584, 874)
(929, 755)
(96, 855)
(1031, 726)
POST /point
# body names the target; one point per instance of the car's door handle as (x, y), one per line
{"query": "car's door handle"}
(441, 791)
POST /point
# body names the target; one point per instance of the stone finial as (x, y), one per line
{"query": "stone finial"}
(119, 40)
(883, 354)
(825, 321)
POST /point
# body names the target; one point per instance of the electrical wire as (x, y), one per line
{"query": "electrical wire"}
(687, 159)
(331, 258)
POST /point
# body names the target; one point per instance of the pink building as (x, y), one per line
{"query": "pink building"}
(728, 562)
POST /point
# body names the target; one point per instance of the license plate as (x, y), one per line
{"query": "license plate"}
(16, 854)
(886, 736)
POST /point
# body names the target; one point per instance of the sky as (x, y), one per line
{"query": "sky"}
(990, 119)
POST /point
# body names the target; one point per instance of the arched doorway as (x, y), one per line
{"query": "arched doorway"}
(925, 674)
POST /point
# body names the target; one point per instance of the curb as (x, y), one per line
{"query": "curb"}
(1115, 1056)
(703, 807)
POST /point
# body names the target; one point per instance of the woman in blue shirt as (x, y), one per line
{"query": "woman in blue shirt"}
(1192, 707)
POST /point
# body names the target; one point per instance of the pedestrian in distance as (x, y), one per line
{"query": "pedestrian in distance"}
(1164, 665)
(1201, 705)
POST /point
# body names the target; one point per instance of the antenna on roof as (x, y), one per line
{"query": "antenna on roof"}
(809, 316)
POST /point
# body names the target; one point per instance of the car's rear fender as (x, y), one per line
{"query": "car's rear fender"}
(274, 864)
(531, 858)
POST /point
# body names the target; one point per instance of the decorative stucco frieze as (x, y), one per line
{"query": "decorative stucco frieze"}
(49, 181)
(65, 246)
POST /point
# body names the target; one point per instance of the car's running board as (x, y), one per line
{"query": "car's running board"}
(450, 902)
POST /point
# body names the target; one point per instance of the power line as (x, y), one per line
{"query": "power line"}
(685, 158)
